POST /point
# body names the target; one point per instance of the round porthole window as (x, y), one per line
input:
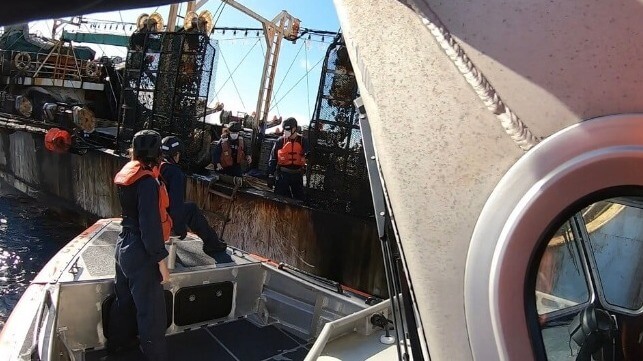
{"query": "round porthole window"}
(557, 252)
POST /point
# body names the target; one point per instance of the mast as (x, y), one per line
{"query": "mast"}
(282, 26)
(174, 12)
(171, 18)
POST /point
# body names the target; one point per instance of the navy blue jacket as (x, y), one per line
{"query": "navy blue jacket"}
(272, 162)
(143, 222)
(175, 181)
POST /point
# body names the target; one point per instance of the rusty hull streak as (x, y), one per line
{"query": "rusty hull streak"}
(337, 246)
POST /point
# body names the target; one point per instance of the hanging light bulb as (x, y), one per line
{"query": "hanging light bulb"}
(323, 38)
(257, 33)
(308, 36)
(234, 33)
(246, 34)
(223, 32)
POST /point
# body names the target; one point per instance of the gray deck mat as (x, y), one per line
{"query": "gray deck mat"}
(99, 260)
(221, 342)
(257, 343)
(189, 253)
(98, 256)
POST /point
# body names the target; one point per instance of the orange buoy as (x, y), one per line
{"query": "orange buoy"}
(57, 140)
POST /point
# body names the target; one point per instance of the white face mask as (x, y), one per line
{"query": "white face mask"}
(234, 136)
(287, 133)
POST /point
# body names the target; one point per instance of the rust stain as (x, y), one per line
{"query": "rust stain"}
(340, 247)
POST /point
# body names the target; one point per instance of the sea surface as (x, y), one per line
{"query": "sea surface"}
(30, 234)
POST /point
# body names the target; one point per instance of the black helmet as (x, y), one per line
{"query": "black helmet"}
(290, 124)
(234, 127)
(171, 145)
(146, 145)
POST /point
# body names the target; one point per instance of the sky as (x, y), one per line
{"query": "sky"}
(294, 92)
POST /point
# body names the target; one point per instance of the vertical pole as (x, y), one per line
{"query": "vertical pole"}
(171, 20)
(191, 6)
(274, 58)
(269, 32)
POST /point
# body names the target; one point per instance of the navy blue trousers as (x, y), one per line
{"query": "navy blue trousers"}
(197, 223)
(233, 170)
(290, 185)
(139, 304)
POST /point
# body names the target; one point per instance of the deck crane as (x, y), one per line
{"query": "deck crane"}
(282, 26)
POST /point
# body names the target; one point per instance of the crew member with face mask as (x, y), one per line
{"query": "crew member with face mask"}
(229, 154)
(287, 163)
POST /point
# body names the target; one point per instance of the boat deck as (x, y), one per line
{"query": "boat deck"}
(230, 307)
(97, 257)
(224, 342)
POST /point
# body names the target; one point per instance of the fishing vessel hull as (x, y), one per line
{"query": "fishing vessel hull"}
(338, 246)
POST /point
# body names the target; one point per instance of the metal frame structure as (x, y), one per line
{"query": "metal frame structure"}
(337, 179)
(282, 26)
(166, 85)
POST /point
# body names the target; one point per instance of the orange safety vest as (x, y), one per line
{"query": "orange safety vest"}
(226, 153)
(133, 171)
(291, 153)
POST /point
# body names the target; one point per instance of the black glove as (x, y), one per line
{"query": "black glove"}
(182, 233)
(271, 181)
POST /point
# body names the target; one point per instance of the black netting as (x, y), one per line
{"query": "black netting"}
(166, 87)
(337, 178)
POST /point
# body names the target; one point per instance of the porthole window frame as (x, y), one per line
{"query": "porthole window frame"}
(626, 191)
(533, 273)
(544, 188)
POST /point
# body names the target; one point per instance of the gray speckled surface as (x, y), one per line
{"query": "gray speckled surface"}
(556, 63)
(441, 152)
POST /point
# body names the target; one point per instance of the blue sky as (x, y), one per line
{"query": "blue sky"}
(300, 101)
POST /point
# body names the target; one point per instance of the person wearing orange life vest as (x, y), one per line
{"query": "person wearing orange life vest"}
(229, 154)
(141, 266)
(287, 163)
(187, 214)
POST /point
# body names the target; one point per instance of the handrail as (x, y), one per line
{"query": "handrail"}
(332, 329)
(335, 286)
(53, 65)
(46, 304)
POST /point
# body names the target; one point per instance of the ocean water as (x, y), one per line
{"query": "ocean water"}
(30, 234)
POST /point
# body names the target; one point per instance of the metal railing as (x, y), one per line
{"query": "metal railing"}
(51, 65)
